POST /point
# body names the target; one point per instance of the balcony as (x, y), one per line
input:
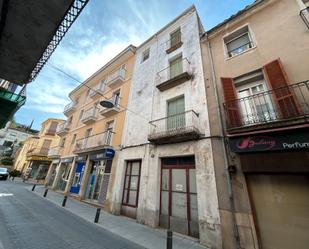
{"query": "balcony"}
(90, 116)
(174, 75)
(37, 152)
(175, 128)
(97, 91)
(107, 112)
(279, 107)
(69, 109)
(94, 142)
(116, 78)
(174, 43)
(304, 14)
(55, 152)
(63, 128)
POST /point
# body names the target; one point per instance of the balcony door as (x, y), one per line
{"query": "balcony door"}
(176, 67)
(176, 113)
(255, 103)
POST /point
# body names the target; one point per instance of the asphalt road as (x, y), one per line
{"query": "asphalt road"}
(30, 222)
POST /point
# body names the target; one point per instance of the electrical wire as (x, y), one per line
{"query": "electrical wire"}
(90, 88)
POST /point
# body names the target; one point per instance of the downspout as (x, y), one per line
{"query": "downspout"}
(229, 183)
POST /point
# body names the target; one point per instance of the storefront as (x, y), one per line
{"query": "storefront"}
(63, 174)
(100, 165)
(276, 169)
(80, 162)
(53, 171)
(38, 167)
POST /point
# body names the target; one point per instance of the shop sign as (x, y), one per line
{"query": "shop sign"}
(67, 160)
(256, 143)
(38, 158)
(107, 153)
(80, 158)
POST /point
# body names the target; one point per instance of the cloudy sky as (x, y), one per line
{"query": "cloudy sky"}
(102, 30)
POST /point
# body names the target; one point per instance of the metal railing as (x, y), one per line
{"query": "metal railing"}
(55, 151)
(69, 106)
(97, 89)
(118, 75)
(172, 71)
(304, 14)
(282, 103)
(172, 42)
(62, 127)
(101, 139)
(90, 113)
(177, 123)
(43, 151)
(240, 49)
(11, 96)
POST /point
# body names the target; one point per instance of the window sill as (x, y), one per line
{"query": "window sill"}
(246, 51)
(173, 48)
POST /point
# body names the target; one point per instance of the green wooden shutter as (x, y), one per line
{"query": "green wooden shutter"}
(176, 67)
(175, 113)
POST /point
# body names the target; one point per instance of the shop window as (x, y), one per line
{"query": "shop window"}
(146, 54)
(131, 183)
(238, 42)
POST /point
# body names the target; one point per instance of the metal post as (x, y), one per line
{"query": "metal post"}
(64, 200)
(34, 185)
(97, 215)
(169, 239)
(13, 178)
(45, 193)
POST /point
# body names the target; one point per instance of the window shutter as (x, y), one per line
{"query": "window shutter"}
(278, 81)
(231, 103)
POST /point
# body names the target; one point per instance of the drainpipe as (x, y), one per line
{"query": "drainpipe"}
(229, 183)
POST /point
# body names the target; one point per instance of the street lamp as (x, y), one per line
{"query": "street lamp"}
(107, 103)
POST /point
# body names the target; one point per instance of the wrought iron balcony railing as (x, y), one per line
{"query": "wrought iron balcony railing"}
(280, 104)
(89, 116)
(175, 128)
(95, 141)
(304, 14)
(176, 73)
(63, 128)
(41, 151)
(69, 108)
(116, 77)
(55, 151)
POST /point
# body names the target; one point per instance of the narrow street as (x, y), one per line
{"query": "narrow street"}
(29, 222)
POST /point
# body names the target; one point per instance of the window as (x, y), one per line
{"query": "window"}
(255, 105)
(73, 139)
(131, 183)
(116, 98)
(81, 114)
(175, 38)
(70, 120)
(176, 67)
(146, 54)
(238, 42)
(88, 132)
(62, 142)
(109, 132)
(176, 113)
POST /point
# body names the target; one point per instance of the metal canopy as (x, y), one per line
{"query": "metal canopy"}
(29, 32)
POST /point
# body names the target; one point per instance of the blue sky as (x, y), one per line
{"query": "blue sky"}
(102, 30)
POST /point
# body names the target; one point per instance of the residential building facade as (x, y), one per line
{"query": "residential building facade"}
(165, 172)
(32, 159)
(83, 164)
(257, 81)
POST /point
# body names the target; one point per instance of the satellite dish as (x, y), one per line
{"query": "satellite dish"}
(107, 103)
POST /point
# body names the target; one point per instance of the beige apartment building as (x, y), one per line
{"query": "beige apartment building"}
(83, 164)
(256, 67)
(32, 159)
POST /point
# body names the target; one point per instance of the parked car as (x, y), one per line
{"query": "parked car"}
(4, 173)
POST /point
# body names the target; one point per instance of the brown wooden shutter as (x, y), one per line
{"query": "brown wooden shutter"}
(45, 146)
(282, 94)
(231, 103)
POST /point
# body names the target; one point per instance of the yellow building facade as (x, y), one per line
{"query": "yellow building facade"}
(32, 159)
(83, 164)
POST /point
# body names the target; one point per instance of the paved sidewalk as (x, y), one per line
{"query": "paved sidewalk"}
(122, 226)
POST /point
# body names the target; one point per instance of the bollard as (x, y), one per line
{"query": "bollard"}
(33, 187)
(13, 178)
(64, 200)
(45, 192)
(169, 239)
(97, 215)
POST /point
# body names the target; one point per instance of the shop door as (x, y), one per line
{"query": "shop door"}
(64, 176)
(80, 167)
(53, 175)
(95, 180)
(178, 196)
(281, 210)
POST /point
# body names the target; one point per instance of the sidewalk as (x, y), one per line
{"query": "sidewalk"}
(122, 226)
